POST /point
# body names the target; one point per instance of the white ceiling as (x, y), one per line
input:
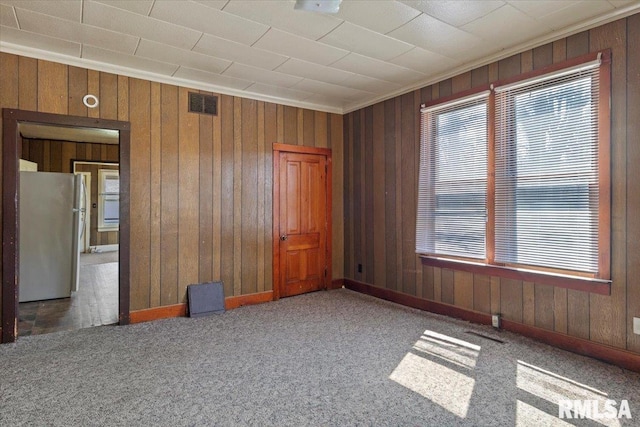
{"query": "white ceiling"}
(72, 133)
(264, 49)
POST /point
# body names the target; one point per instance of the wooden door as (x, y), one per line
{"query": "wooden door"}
(303, 223)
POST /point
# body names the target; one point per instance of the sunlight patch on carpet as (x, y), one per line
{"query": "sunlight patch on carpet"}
(555, 388)
(425, 371)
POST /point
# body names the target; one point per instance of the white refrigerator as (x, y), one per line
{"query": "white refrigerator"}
(50, 223)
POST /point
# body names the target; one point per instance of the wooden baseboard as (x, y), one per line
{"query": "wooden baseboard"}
(234, 302)
(336, 284)
(419, 303)
(616, 356)
(180, 310)
(157, 313)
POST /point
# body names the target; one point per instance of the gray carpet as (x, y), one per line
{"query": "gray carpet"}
(324, 359)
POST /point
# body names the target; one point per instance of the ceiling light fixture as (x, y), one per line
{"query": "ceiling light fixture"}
(322, 6)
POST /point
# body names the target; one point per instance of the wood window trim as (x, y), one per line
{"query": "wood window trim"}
(601, 283)
(604, 167)
(585, 284)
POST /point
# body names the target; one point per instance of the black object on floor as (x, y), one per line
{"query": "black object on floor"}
(205, 299)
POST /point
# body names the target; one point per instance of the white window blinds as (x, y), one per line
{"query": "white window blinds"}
(453, 179)
(546, 191)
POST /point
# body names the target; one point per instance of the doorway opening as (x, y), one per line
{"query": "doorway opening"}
(90, 296)
(26, 135)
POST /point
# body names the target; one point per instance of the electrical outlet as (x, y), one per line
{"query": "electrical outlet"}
(636, 325)
(495, 321)
(359, 268)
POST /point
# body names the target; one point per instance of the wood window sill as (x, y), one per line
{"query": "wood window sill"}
(585, 284)
(108, 229)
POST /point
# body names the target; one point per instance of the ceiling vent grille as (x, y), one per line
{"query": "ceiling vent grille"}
(203, 104)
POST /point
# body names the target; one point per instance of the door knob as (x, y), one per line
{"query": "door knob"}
(284, 237)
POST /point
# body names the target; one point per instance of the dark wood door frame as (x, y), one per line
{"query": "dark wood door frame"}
(11, 152)
(287, 148)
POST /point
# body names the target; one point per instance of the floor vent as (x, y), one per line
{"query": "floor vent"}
(205, 298)
(203, 104)
(485, 336)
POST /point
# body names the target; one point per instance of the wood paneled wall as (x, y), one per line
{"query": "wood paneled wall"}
(201, 186)
(380, 184)
(58, 156)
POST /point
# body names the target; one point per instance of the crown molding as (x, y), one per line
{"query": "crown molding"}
(159, 78)
(616, 14)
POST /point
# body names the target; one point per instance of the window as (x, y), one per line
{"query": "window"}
(452, 212)
(531, 193)
(108, 200)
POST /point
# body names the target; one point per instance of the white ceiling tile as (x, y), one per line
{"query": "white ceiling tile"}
(217, 4)
(209, 20)
(378, 69)
(7, 17)
(622, 3)
(237, 52)
(120, 20)
(141, 7)
(575, 13)
(129, 61)
(387, 15)
(75, 32)
(515, 27)
(434, 35)
(424, 61)
(38, 41)
(366, 42)
(314, 86)
(299, 47)
(540, 8)
(283, 93)
(260, 75)
(211, 78)
(369, 50)
(186, 58)
(369, 84)
(282, 15)
(313, 71)
(455, 12)
(65, 9)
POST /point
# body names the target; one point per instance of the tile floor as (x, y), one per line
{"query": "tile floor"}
(95, 303)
